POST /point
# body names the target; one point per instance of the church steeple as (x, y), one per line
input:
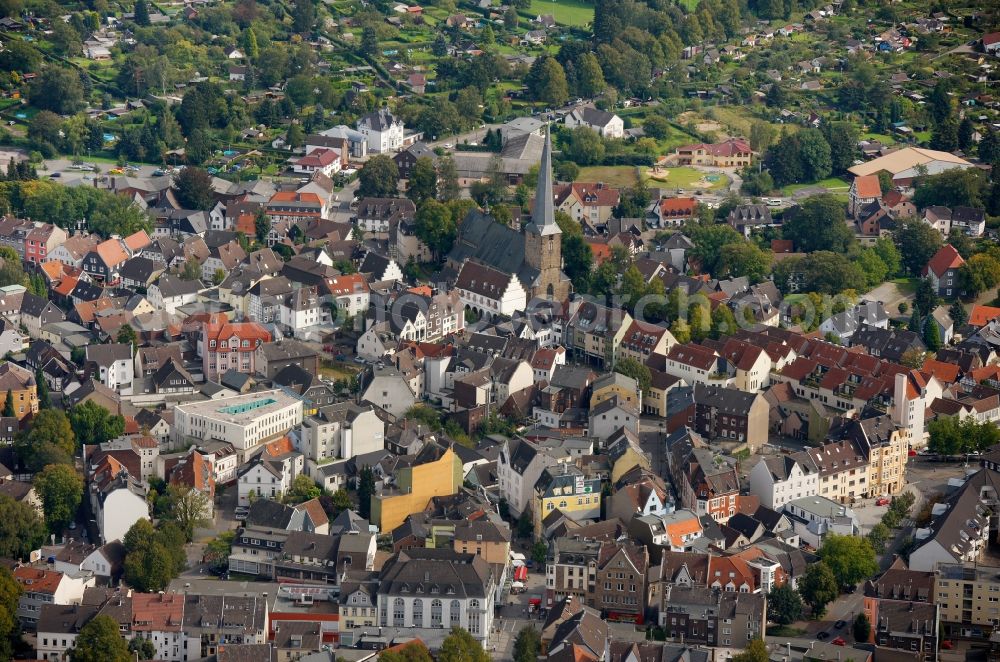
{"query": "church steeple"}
(543, 221)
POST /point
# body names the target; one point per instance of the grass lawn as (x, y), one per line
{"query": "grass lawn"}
(831, 184)
(688, 178)
(906, 286)
(617, 176)
(566, 12)
(338, 370)
(883, 138)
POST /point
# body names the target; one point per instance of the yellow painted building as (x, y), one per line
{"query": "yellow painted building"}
(614, 383)
(625, 454)
(564, 487)
(436, 472)
(20, 383)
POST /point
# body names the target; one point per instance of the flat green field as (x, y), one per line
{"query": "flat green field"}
(831, 184)
(566, 12)
(618, 176)
(623, 176)
(688, 178)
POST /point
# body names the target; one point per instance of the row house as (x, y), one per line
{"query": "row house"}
(705, 483)
(594, 332)
(714, 618)
(231, 346)
(379, 214)
(776, 480)
(488, 291)
(641, 340)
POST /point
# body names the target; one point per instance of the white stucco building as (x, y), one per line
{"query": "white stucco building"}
(244, 421)
(780, 479)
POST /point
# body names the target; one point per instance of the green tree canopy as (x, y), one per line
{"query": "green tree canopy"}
(194, 188)
(850, 558)
(423, 181)
(784, 604)
(100, 641)
(49, 440)
(818, 587)
(60, 488)
(378, 178)
(460, 646)
(637, 371)
(527, 645)
(861, 628)
(820, 224)
(10, 593)
(93, 424)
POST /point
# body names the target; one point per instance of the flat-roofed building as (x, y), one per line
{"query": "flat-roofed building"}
(245, 421)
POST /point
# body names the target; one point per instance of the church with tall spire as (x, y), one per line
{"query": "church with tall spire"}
(534, 254)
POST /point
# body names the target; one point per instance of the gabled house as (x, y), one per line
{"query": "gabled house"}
(942, 271)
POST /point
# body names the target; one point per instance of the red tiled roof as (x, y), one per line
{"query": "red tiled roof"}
(111, 252)
(946, 258)
(35, 580)
(983, 315)
(867, 186)
(944, 372)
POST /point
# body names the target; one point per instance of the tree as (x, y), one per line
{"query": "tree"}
(851, 559)
(100, 641)
(369, 41)
(49, 440)
(414, 651)
(567, 171)
(656, 126)
(10, 593)
(578, 261)
(93, 424)
(423, 181)
(944, 136)
(153, 558)
(814, 152)
(818, 588)
(878, 536)
(21, 529)
(932, 336)
(762, 136)
(889, 254)
(820, 225)
(917, 242)
(459, 646)
(8, 405)
(744, 259)
(989, 146)
(57, 89)
(366, 489)
(448, 188)
(637, 371)
(958, 314)
(378, 178)
(126, 336)
(862, 628)
(435, 226)
(585, 147)
(527, 645)
(250, 44)
(60, 488)
(142, 648)
(709, 241)
(44, 401)
(756, 651)
(842, 137)
(925, 298)
(141, 12)
(194, 188)
(681, 331)
(189, 508)
(303, 16)
(510, 19)
(958, 187)
(589, 77)
(966, 129)
(546, 81)
(218, 549)
(303, 489)
(981, 272)
(784, 604)
(539, 551)
(261, 225)
(295, 137)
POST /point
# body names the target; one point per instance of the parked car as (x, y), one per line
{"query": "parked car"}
(241, 513)
(883, 501)
(839, 641)
(839, 624)
(823, 636)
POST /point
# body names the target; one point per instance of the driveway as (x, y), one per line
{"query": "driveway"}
(890, 295)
